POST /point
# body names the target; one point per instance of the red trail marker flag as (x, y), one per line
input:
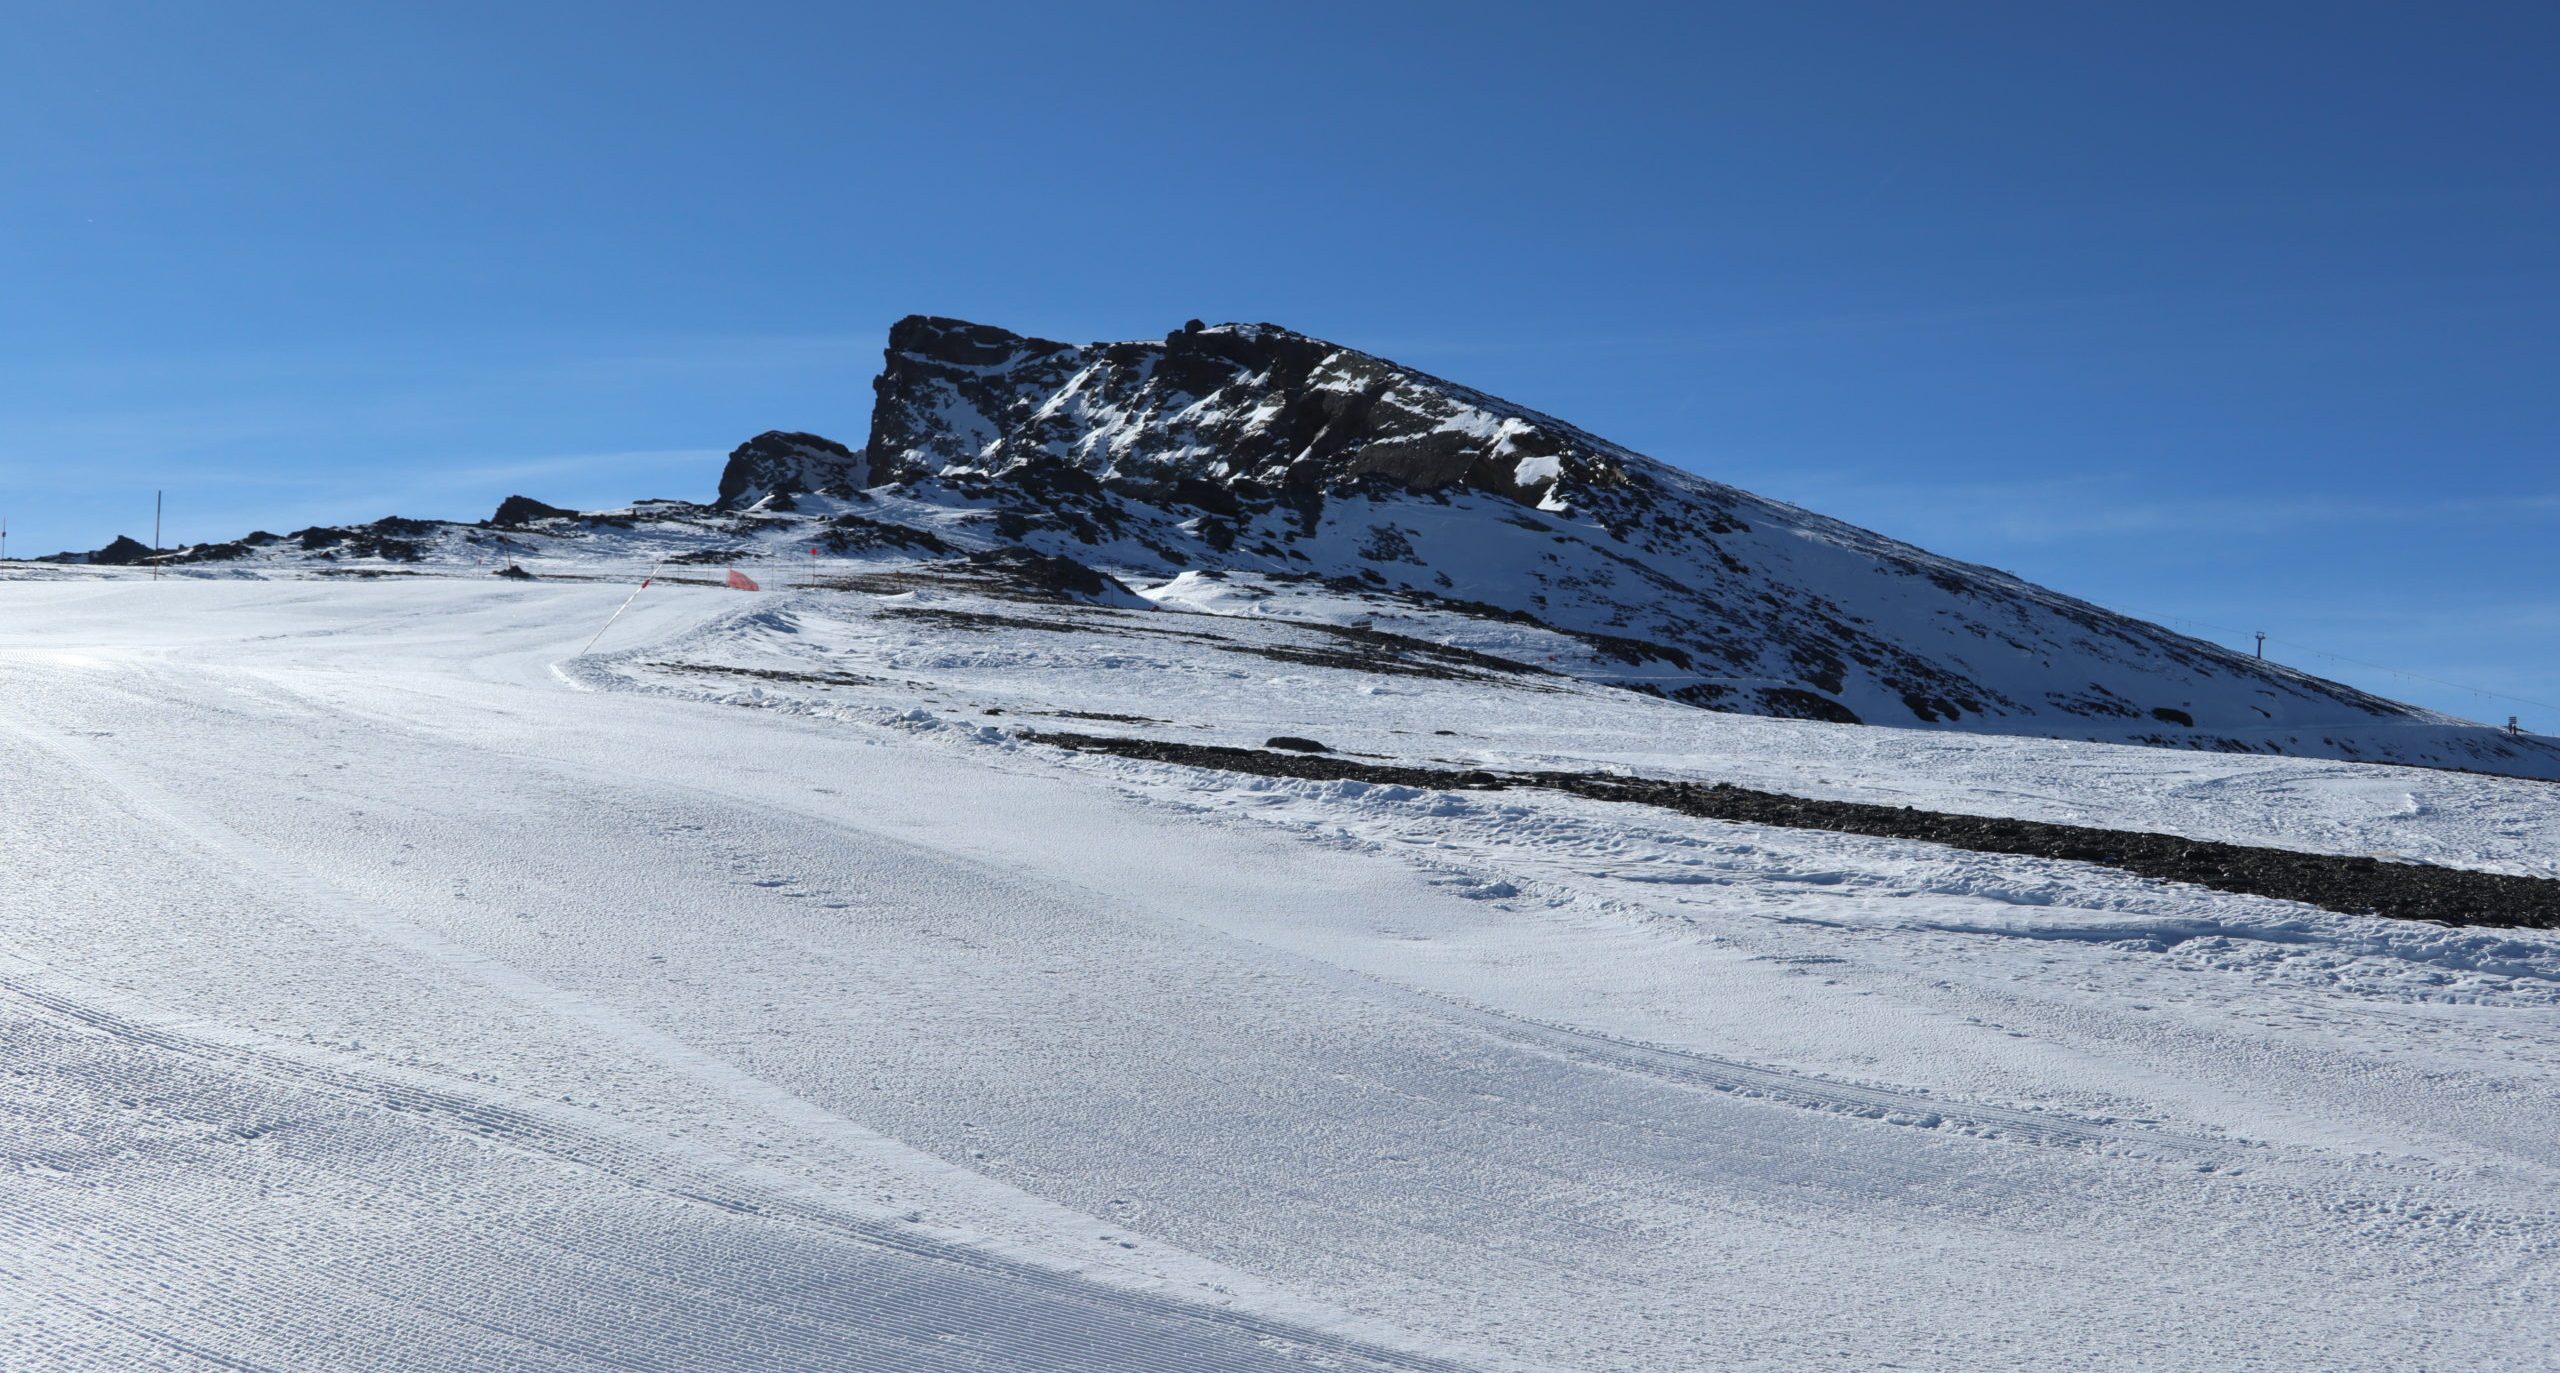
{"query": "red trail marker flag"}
(742, 581)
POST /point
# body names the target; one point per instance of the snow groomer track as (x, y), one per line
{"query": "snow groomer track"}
(688, 1270)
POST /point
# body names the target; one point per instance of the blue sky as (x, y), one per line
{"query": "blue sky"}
(2238, 313)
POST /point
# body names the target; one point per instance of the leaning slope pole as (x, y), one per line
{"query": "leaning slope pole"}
(626, 605)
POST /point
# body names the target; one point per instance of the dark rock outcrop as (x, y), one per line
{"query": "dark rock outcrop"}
(122, 551)
(776, 465)
(1043, 577)
(1295, 744)
(517, 511)
(1247, 409)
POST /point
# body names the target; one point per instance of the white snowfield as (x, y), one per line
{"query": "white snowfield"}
(386, 985)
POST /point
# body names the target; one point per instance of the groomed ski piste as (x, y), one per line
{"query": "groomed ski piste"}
(388, 983)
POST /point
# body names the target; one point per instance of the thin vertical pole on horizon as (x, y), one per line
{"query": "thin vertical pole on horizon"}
(155, 535)
(2262, 643)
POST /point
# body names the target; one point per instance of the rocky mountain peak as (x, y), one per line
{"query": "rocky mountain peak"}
(776, 465)
(1226, 465)
(1255, 407)
(1259, 450)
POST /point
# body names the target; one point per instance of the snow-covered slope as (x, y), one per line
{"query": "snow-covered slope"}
(1300, 473)
(386, 983)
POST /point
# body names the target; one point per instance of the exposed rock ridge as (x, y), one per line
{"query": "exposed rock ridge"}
(777, 465)
(1253, 407)
(1252, 447)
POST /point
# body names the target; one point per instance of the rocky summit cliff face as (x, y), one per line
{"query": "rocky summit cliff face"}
(1251, 450)
(1242, 410)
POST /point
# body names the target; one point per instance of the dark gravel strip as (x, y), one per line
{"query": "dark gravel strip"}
(2353, 886)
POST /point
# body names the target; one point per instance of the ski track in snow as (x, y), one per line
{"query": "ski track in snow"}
(371, 998)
